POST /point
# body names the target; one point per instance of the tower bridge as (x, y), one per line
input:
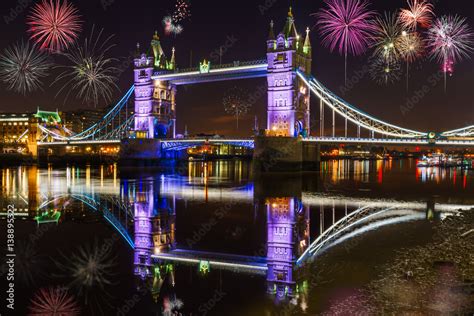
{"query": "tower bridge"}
(151, 131)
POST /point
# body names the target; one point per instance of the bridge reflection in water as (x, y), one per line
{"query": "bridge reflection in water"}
(143, 211)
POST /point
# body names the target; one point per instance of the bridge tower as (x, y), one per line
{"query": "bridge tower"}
(143, 216)
(288, 109)
(281, 222)
(144, 116)
(155, 101)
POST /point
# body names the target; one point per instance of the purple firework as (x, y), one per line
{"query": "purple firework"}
(450, 40)
(346, 25)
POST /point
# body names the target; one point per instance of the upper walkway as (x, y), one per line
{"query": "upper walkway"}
(236, 70)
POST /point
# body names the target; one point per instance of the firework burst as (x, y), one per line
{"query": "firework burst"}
(54, 25)
(90, 266)
(420, 13)
(411, 47)
(182, 11)
(234, 104)
(450, 40)
(53, 301)
(92, 74)
(91, 269)
(346, 26)
(383, 71)
(388, 30)
(29, 263)
(171, 27)
(22, 66)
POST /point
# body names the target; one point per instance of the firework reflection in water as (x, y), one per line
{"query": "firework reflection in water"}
(53, 301)
(91, 268)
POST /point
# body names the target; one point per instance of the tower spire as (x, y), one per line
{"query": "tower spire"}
(307, 43)
(137, 51)
(290, 30)
(271, 34)
(158, 51)
(173, 59)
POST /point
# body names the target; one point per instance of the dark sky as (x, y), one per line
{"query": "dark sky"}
(213, 22)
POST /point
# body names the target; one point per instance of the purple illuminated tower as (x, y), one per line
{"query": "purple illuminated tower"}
(143, 215)
(288, 98)
(155, 101)
(144, 118)
(280, 245)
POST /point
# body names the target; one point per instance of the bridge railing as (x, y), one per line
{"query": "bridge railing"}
(214, 67)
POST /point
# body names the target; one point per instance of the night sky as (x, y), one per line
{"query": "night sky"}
(245, 23)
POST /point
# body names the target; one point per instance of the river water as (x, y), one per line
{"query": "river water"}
(212, 238)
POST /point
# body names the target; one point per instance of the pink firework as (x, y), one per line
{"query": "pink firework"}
(171, 27)
(346, 25)
(182, 11)
(449, 41)
(53, 301)
(54, 25)
(420, 13)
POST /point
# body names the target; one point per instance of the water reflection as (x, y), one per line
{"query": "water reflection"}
(279, 219)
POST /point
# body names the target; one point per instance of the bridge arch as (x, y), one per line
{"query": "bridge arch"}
(347, 227)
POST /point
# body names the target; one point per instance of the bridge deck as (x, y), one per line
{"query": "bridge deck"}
(170, 144)
(237, 70)
(249, 264)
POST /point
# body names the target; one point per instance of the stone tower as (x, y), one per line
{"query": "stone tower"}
(288, 97)
(155, 101)
(144, 116)
(280, 245)
(143, 215)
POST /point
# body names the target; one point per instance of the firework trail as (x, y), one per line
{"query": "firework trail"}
(411, 47)
(53, 301)
(171, 27)
(235, 105)
(420, 13)
(346, 25)
(182, 11)
(92, 74)
(450, 40)
(22, 66)
(54, 25)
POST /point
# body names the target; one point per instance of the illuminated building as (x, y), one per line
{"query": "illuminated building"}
(14, 128)
(288, 97)
(280, 245)
(164, 227)
(143, 213)
(80, 120)
(155, 101)
(20, 130)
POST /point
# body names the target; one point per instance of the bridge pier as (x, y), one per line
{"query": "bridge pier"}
(148, 153)
(285, 154)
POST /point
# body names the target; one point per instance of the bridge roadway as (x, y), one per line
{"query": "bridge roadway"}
(180, 144)
(236, 70)
(248, 264)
